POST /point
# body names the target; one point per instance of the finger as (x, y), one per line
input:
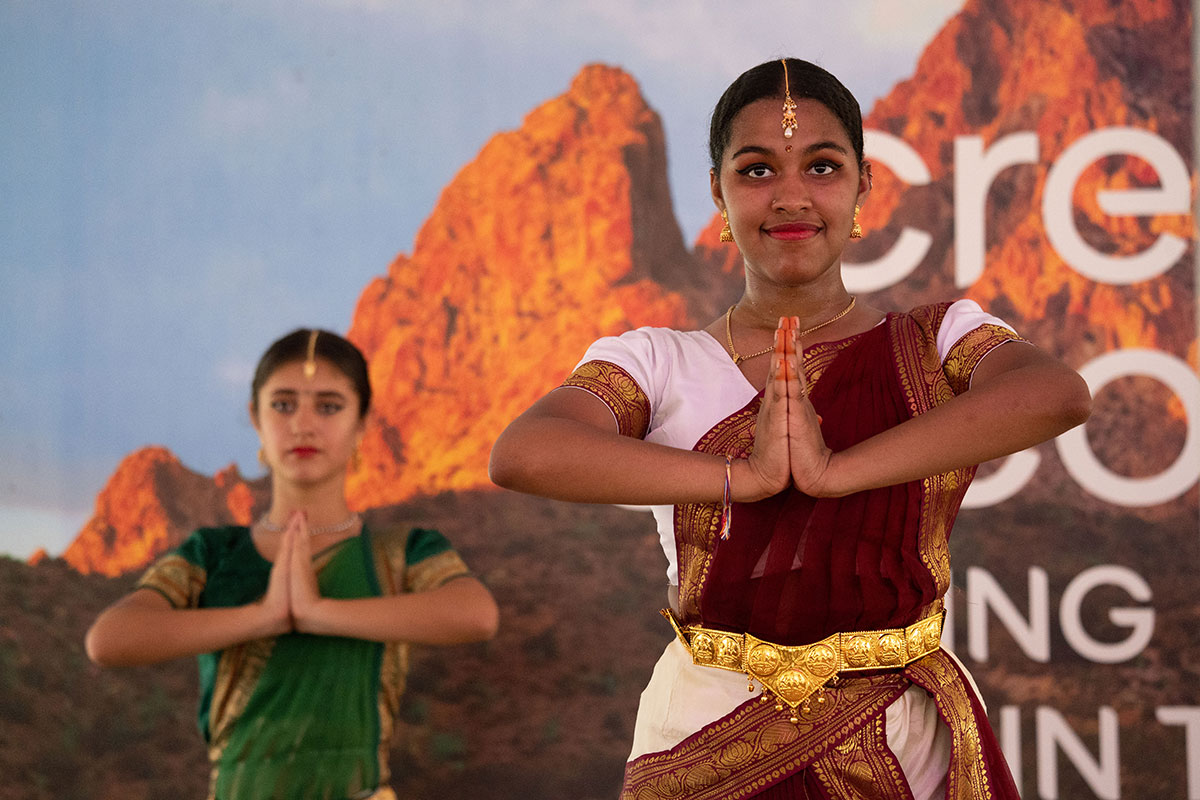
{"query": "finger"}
(782, 335)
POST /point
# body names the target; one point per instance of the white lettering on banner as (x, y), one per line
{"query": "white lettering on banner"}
(1189, 718)
(908, 251)
(1009, 733)
(974, 172)
(1076, 453)
(1005, 482)
(1172, 197)
(1102, 774)
(975, 169)
(1140, 621)
(984, 594)
(1097, 479)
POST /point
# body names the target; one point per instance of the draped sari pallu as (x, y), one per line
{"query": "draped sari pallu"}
(796, 569)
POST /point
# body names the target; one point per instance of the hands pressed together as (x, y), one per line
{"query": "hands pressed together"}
(292, 593)
(788, 446)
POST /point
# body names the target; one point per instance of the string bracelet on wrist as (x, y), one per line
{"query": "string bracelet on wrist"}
(727, 508)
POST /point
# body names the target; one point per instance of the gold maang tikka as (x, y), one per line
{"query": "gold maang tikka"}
(789, 105)
(310, 358)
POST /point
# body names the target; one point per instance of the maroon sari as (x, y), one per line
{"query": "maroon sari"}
(796, 569)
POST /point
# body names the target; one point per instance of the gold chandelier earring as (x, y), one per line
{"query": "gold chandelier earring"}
(726, 233)
(856, 229)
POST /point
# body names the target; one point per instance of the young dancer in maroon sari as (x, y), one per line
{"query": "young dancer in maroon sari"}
(804, 500)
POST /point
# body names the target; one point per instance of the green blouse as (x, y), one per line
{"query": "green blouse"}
(300, 715)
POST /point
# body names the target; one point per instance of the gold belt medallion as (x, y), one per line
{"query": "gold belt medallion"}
(794, 673)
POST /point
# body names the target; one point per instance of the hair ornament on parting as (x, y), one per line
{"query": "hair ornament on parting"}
(310, 358)
(789, 105)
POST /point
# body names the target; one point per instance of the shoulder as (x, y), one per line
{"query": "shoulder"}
(946, 323)
(205, 545)
(404, 542)
(648, 345)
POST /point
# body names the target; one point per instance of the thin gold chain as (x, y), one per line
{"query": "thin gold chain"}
(738, 359)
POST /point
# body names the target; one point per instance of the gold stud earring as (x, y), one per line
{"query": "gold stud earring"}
(856, 231)
(726, 233)
(262, 457)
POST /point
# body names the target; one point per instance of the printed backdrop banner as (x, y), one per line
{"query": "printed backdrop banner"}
(1036, 157)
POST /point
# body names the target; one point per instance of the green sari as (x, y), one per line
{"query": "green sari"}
(300, 715)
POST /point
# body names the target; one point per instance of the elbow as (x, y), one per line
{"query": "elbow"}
(1075, 403)
(486, 619)
(508, 467)
(500, 471)
(98, 647)
(489, 622)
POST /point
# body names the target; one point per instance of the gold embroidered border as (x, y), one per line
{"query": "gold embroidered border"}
(818, 357)
(755, 746)
(968, 775)
(924, 385)
(619, 392)
(968, 351)
(177, 579)
(430, 573)
(863, 766)
(238, 672)
(697, 524)
(387, 551)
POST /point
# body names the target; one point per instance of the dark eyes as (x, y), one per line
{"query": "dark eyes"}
(324, 407)
(756, 171)
(818, 168)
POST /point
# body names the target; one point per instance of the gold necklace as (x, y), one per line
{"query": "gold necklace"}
(738, 359)
(338, 527)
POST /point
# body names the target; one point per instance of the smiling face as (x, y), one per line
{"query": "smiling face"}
(309, 427)
(790, 201)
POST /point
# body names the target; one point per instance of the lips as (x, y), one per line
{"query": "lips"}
(304, 452)
(793, 231)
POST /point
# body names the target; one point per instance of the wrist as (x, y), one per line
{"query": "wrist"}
(313, 618)
(830, 483)
(268, 622)
(745, 484)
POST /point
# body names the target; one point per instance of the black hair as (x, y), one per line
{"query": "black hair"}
(766, 81)
(333, 348)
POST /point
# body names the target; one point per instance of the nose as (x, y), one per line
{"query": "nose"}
(791, 194)
(302, 418)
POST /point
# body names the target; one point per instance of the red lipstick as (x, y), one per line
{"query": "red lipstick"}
(793, 231)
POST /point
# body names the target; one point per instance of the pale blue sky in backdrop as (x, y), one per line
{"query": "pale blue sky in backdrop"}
(184, 181)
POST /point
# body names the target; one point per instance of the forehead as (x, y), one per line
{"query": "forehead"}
(290, 377)
(759, 125)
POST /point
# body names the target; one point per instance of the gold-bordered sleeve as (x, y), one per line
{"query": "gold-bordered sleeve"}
(431, 561)
(175, 578)
(969, 350)
(618, 391)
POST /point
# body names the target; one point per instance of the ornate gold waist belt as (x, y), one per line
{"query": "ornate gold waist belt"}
(794, 673)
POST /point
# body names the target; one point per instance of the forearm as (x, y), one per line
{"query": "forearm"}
(1010, 412)
(568, 460)
(460, 611)
(133, 634)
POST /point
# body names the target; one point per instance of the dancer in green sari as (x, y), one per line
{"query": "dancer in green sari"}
(300, 622)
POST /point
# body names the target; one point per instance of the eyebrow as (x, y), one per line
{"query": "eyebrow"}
(327, 394)
(812, 148)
